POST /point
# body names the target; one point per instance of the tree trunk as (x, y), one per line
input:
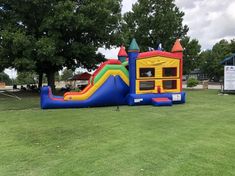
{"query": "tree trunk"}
(40, 80)
(51, 80)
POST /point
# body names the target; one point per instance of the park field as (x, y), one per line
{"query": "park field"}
(194, 139)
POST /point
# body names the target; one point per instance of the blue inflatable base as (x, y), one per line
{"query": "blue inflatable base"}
(146, 99)
(112, 92)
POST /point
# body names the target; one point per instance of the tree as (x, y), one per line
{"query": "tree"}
(67, 73)
(47, 35)
(25, 78)
(57, 76)
(232, 46)
(211, 59)
(5, 78)
(191, 54)
(152, 22)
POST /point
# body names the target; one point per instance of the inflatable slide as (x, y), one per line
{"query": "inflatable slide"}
(109, 85)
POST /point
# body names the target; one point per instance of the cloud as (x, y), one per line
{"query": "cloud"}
(209, 21)
(127, 5)
(110, 53)
(12, 73)
(186, 4)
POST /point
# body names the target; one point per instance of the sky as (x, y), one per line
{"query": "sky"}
(209, 21)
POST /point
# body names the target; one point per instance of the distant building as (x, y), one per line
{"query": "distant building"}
(197, 74)
(80, 80)
(2, 85)
(229, 60)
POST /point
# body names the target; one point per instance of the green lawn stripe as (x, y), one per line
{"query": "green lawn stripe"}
(192, 139)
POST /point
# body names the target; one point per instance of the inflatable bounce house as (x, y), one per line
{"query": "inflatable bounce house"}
(153, 77)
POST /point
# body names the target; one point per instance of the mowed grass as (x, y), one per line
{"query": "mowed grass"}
(197, 138)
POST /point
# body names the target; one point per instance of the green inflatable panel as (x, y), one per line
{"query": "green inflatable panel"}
(111, 67)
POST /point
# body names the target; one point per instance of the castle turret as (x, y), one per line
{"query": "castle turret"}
(122, 55)
(133, 53)
(177, 48)
(178, 51)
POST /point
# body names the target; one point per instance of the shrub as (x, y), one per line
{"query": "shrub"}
(76, 90)
(192, 82)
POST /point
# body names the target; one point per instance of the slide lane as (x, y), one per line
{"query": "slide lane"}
(113, 91)
(98, 84)
(93, 76)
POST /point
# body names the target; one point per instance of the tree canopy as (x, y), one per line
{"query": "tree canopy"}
(5, 78)
(191, 58)
(210, 59)
(43, 36)
(24, 78)
(154, 21)
(46, 35)
(66, 74)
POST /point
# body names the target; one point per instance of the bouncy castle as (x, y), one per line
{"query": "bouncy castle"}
(153, 77)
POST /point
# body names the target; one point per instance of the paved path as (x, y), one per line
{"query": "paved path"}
(217, 87)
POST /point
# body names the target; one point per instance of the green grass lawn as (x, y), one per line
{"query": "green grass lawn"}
(197, 138)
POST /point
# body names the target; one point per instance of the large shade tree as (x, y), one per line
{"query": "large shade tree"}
(46, 35)
(154, 21)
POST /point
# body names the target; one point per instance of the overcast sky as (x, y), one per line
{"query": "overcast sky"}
(209, 21)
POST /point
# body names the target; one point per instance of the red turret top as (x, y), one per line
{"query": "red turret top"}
(177, 47)
(122, 52)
